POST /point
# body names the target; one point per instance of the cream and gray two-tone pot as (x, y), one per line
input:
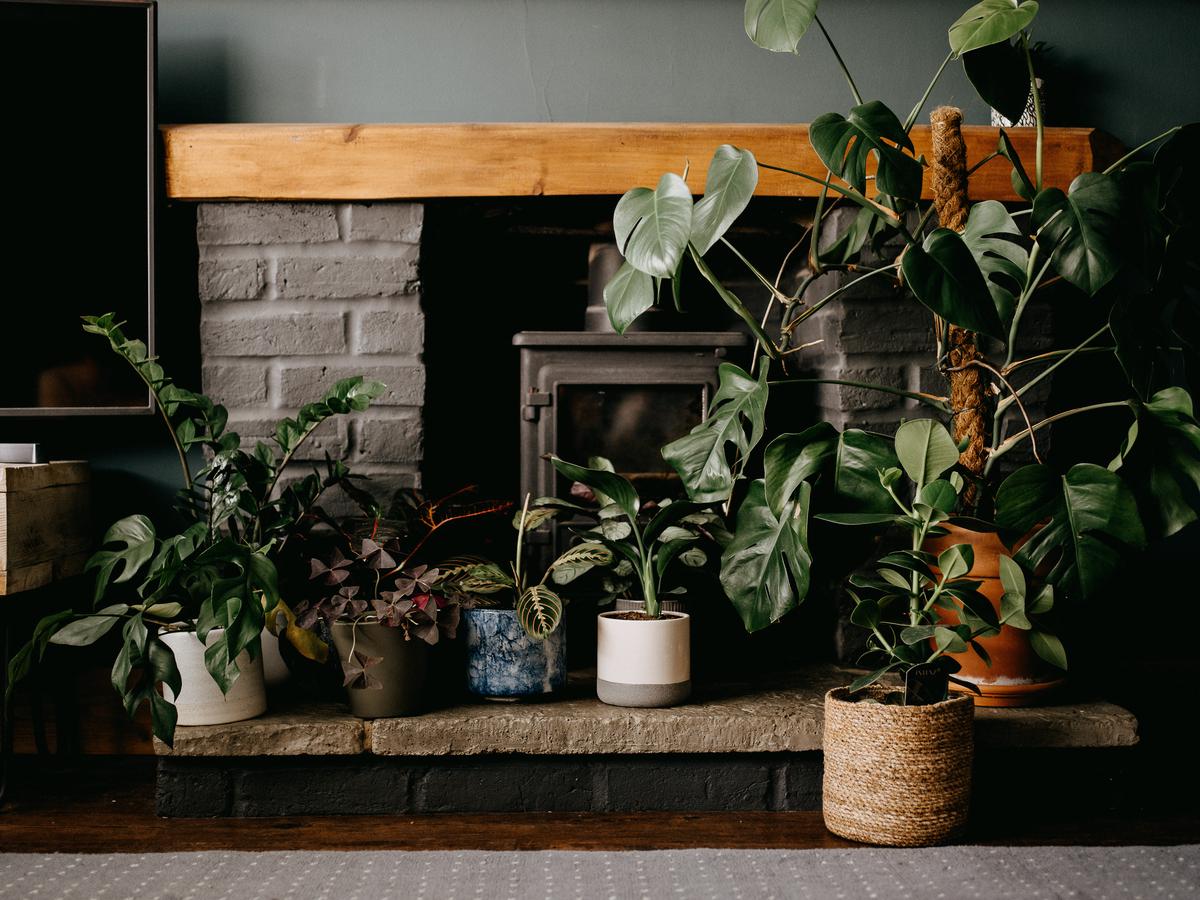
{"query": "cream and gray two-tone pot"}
(643, 662)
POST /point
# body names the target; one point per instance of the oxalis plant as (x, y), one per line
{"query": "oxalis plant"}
(1116, 249)
(217, 574)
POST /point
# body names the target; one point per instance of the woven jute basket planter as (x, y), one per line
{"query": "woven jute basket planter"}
(897, 775)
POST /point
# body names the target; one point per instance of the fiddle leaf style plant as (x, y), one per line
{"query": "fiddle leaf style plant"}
(539, 607)
(217, 574)
(1115, 251)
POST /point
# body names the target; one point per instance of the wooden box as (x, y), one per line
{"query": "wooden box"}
(45, 523)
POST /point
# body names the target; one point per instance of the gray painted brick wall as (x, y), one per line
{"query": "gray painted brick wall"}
(296, 296)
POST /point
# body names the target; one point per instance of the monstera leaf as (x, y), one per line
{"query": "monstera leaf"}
(735, 419)
(942, 273)
(653, 227)
(992, 237)
(136, 538)
(1091, 524)
(1161, 459)
(860, 456)
(990, 22)
(1081, 229)
(627, 295)
(845, 142)
(779, 25)
(765, 568)
(728, 186)
(1000, 76)
(794, 458)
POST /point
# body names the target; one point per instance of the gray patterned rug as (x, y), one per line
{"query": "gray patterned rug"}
(955, 873)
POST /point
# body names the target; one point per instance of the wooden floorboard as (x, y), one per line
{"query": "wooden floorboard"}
(107, 806)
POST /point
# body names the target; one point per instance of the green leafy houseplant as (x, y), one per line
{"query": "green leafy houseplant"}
(641, 548)
(1116, 250)
(538, 606)
(215, 575)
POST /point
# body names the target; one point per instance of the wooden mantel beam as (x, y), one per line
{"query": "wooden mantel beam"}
(380, 162)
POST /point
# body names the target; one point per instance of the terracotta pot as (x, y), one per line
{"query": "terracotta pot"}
(200, 701)
(643, 663)
(1017, 675)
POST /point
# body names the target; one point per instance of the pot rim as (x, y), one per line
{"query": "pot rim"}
(665, 617)
(840, 694)
(489, 609)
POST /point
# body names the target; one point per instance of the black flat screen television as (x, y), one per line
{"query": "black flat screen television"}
(77, 230)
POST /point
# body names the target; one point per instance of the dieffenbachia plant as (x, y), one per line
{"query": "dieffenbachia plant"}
(642, 540)
(217, 574)
(1118, 246)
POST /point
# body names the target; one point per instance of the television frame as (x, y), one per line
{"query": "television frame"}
(149, 8)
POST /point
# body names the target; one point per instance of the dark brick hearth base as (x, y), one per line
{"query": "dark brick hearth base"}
(1086, 780)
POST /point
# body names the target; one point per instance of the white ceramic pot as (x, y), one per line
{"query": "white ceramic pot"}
(200, 701)
(643, 663)
(275, 670)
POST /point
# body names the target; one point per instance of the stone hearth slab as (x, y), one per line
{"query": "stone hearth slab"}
(782, 715)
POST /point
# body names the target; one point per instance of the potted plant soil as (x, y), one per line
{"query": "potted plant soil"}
(974, 272)
(515, 647)
(643, 657)
(192, 606)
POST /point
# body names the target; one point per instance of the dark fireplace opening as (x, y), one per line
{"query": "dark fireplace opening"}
(491, 270)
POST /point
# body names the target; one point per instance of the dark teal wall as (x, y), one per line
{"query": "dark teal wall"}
(1129, 68)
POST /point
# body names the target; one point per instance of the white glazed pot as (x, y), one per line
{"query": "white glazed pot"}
(275, 670)
(200, 701)
(643, 662)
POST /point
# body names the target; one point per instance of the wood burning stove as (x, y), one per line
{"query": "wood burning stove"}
(622, 397)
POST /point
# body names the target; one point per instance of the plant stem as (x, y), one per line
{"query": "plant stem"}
(776, 294)
(890, 215)
(834, 293)
(1017, 438)
(1052, 354)
(1008, 401)
(520, 538)
(732, 301)
(1022, 301)
(916, 110)
(858, 100)
(983, 162)
(939, 403)
(1037, 106)
(1139, 148)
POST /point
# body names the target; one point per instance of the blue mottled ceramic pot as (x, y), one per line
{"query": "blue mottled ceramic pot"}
(504, 662)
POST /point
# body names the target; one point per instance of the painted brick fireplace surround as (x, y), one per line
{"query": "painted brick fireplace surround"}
(295, 296)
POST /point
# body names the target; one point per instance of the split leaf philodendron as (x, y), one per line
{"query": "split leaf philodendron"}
(1112, 250)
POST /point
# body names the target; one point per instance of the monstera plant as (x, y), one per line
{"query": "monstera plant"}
(217, 573)
(1117, 246)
